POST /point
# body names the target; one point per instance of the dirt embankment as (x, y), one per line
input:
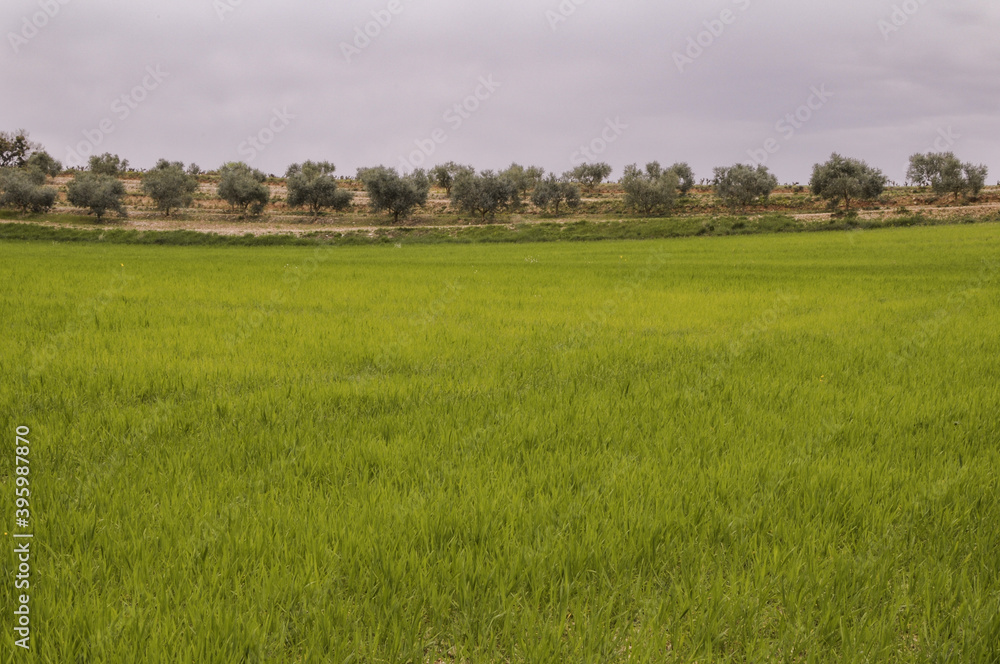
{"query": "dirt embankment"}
(211, 215)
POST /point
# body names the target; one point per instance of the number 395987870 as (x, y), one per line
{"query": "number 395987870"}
(22, 469)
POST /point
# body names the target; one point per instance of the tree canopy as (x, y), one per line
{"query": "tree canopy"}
(741, 185)
(844, 179)
(312, 185)
(650, 190)
(484, 194)
(243, 188)
(169, 185)
(399, 195)
(99, 193)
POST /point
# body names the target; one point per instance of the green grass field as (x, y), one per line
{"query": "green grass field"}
(778, 448)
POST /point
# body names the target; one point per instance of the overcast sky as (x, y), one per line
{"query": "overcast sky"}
(420, 82)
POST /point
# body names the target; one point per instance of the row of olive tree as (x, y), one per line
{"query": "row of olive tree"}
(655, 190)
(24, 167)
(945, 174)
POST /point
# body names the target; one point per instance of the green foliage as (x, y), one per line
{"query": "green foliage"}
(108, 164)
(243, 188)
(444, 175)
(553, 192)
(484, 194)
(98, 193)
(843, 179)
(312, 185)
(169, 186)
(523, 179)
(668, 451)
(922, 168)
(21, 189)
(651, 191)
(590, 175)
(390, 192)
(741, 185)
(946, 174)
(975, 177)
(685, 177)
(43, 162)
(15, 148)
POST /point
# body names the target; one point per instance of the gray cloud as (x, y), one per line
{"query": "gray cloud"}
(898, 79)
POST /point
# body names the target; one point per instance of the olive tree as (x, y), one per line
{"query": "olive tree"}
(591, 175)
(976, 176)
(43, 162)
(169, 185)
(312, 185)
(685, 177)
(243, 188)
(15, 148)
(399, 195)
(97, 192)
(484, 194)
(523, 179)
(946, 174)
(651, 190)
(107, 164)
(444, 175)
(552, 192)
(740, 185)
(22, 189)
(843, 179)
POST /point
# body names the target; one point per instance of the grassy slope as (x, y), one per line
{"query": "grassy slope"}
(531, 232)
(733, 449)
